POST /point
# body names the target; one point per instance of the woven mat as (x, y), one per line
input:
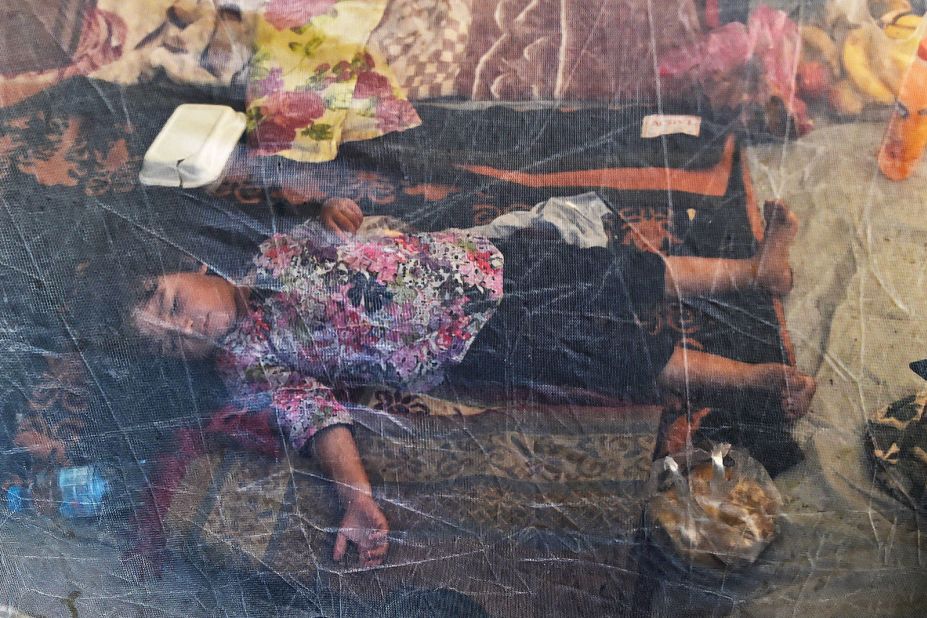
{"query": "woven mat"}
(486, 505)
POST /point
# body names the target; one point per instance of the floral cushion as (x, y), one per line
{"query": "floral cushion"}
(314, 85)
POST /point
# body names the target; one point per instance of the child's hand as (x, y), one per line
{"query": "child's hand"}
(342, 216)
(364, 525)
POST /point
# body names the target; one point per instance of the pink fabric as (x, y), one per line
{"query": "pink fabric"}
(283, 14)
(722, 50)
(776, 42)
(771, 40)
(712, 14)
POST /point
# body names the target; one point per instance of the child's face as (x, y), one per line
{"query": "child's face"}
(187, 313)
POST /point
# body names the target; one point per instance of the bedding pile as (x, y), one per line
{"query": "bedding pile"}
(531, 49)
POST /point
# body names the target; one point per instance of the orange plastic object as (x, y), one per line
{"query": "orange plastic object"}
(906, 137)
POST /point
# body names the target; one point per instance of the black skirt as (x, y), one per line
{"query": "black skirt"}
(572, 317)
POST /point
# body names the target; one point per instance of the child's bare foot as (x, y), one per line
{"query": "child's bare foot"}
(796, 388)
(797, 394)
(773, 272)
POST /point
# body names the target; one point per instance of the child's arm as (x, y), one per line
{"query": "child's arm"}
(293, 189)
(309, 413)
(363, 523)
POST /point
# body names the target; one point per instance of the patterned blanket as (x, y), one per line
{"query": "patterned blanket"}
(532, 49)
(461, 168)
(539, 486)
(479, 49)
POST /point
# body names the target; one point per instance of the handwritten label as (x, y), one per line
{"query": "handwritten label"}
(656, 125)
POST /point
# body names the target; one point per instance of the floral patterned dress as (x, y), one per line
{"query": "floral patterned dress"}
(325, 314)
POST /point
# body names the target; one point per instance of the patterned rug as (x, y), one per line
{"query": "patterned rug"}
(490, 506)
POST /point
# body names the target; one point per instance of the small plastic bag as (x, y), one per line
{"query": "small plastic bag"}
(715, 509)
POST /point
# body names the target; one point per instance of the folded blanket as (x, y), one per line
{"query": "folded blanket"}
(577, 49)
(314, 85)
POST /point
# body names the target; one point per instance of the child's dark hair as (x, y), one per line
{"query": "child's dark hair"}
(110, 285)
(108, 290)
(149, 392)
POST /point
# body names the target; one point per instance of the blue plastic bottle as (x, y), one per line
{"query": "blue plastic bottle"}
(82, 491)
(74, 492)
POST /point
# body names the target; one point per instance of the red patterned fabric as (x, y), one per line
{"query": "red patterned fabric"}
(100, 43)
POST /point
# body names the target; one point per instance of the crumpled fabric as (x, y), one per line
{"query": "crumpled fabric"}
(101, 42)
(173, 37)
(578, 220)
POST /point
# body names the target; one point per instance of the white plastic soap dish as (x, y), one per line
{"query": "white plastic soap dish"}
(193, 147)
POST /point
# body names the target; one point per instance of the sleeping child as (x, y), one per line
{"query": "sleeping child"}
(324, 309)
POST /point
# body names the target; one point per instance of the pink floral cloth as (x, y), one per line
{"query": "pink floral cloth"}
(313, 83)
(379, 311)
(771, 39)
(283, 14)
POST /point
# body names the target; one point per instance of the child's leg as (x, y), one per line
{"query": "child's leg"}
(692, 370)
(769, 269)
